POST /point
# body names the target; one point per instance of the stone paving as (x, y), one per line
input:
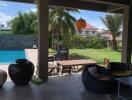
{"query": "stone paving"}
(68, 87)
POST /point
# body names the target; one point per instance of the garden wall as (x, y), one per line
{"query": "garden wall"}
(18, 41)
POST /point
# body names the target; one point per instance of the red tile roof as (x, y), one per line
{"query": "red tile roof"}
(90, 27)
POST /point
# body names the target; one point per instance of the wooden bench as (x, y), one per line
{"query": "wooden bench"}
(53, 69)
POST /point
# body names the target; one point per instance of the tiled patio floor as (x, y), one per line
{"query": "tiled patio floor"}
(68, 87)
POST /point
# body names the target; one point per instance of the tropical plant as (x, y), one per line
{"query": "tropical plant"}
(113, 22)
(95, 42)
(24, 23)
(18, 24)
(61, 22)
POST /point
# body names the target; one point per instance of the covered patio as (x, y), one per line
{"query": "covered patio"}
(57, 88)
(119, 6)
(67, 87)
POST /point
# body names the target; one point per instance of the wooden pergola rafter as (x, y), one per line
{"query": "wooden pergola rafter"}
(122, 2)
(117, 6)
(98, 5)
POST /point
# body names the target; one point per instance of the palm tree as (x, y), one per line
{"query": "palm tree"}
(113, 23)
(25, 23)
(18, 24)
(61, 23)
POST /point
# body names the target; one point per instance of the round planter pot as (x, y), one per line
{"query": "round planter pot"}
(21, 72)
(3, 77)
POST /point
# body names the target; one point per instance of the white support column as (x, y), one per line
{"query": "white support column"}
(127, 34)
(43, 38)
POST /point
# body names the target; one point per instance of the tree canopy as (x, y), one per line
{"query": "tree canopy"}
(25, 23)
(113, 22)
(61, 23)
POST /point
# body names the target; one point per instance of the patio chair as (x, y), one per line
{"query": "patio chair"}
(119, 69)
(53, 69)
(66, 69)
(63, 53)
(51, 58)
(96, 82)
(75, 69)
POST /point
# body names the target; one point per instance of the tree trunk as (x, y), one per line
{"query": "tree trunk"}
(114, 44)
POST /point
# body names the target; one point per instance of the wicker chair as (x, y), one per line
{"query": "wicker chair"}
(98, 83)
(119, 69)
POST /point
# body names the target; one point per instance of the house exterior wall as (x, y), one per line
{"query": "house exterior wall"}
(17, 41)
(85, 32)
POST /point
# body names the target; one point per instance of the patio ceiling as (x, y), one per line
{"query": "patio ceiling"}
(126, 2)
(98, 5)
(124, 6)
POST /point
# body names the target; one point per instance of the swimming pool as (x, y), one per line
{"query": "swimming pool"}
(9, 56)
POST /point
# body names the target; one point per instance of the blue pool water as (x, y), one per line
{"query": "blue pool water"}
(9, 56)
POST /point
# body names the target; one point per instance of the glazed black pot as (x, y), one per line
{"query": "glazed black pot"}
(21, 72)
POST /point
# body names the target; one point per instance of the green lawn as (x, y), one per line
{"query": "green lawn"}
(97, 54)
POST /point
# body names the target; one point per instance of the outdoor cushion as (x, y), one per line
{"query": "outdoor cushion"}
(97, 83)
(116, 66)
(118, 69)
(99, 74)
(121, 73)
(102, 77)
(102, 70)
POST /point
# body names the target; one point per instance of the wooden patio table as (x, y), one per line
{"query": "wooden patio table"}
(75, 62)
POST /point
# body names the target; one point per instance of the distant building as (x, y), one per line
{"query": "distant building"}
(108, 35)
(88, 30)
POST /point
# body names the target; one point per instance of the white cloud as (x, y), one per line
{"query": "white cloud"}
(5, 18)
(32, 9)
(3, 4)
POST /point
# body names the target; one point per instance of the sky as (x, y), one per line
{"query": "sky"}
(8, 10)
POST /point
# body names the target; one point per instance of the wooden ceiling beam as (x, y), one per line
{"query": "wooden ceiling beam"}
(97, 5)
(110, 2)
(122, 2)
(78, 4)
(113, 9)
(23, 1)
(71, 3)
(118, 2)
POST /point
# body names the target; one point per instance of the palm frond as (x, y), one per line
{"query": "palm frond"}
(113, 23)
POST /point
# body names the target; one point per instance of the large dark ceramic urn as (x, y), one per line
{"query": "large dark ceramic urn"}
(21, 72)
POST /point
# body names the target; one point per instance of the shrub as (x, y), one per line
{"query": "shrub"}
(88, 42)
(51, 50)
(97, 42)
(78, 42)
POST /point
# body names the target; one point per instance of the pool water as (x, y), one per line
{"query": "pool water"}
(9, 56)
